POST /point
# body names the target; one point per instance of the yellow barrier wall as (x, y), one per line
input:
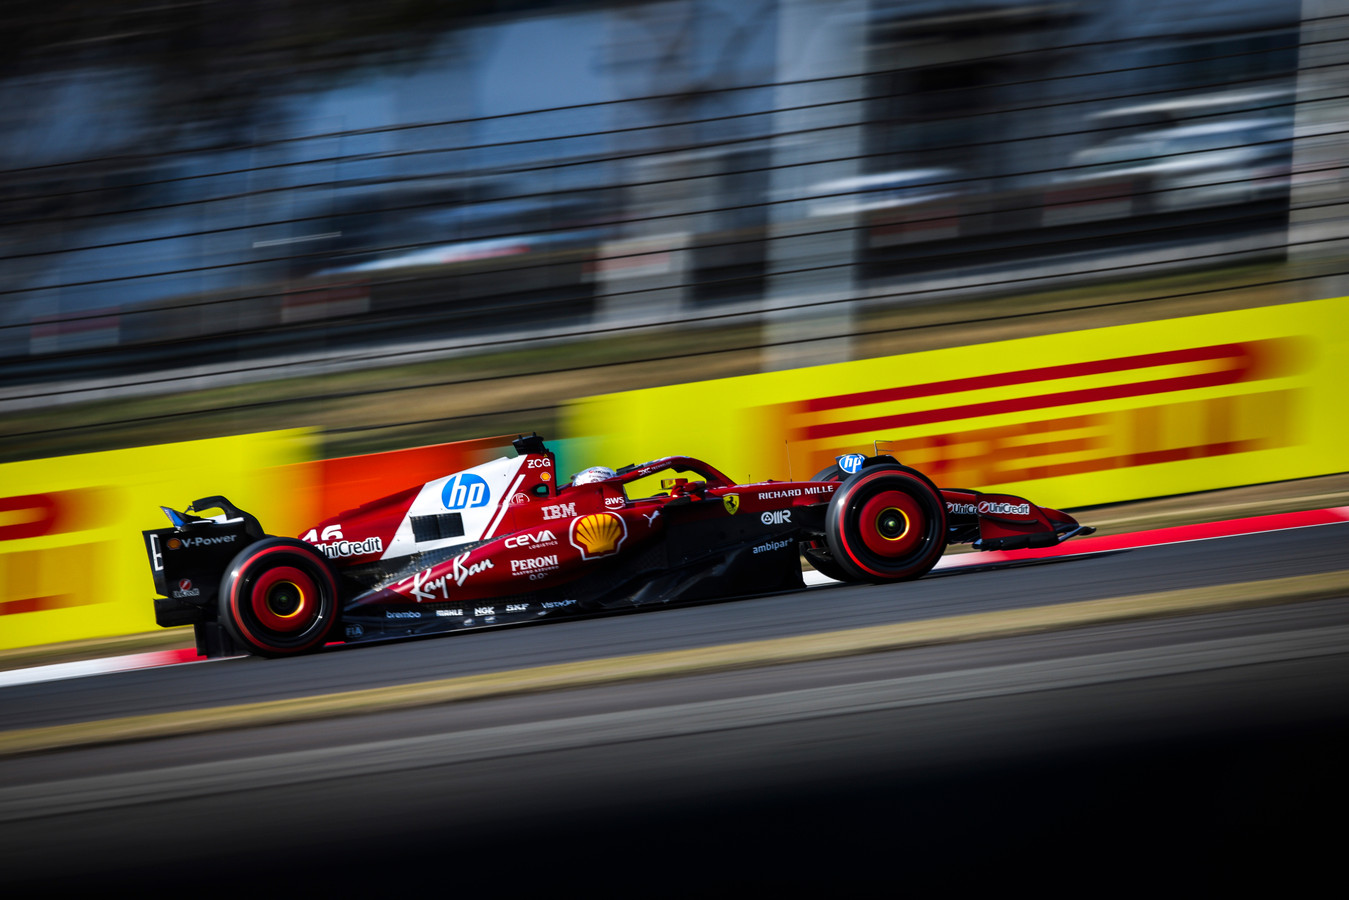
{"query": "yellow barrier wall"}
(1069, 420)
(72, 562)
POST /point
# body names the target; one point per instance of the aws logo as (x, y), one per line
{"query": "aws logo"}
(465, 491)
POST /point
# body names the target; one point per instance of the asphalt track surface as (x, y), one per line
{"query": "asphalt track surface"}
(1197, 751)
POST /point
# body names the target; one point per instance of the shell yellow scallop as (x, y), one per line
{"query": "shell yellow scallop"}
(598, 535)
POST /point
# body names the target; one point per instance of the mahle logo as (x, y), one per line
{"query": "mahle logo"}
(465, 491)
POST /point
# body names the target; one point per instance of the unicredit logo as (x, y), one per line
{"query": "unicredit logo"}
(340, 549)
(993, 507)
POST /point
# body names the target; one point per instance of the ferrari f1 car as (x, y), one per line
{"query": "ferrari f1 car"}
(505, 542)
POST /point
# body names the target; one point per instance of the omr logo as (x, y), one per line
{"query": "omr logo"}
(465, 491)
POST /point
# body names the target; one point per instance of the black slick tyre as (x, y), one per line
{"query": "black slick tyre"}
(279, 598)
(886, 523)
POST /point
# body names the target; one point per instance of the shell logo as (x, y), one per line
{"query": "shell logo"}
(600, 534)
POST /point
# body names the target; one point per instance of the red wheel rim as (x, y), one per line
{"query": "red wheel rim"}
(284, 599)
(892, 524)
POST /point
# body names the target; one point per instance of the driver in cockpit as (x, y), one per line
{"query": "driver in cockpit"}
(592, 475)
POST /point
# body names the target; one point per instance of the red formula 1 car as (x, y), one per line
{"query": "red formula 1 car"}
(505, 542)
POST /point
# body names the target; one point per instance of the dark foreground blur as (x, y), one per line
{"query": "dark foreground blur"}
(1220, 777)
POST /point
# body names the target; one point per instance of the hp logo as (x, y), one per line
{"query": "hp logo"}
(465, 491)
(850, 462)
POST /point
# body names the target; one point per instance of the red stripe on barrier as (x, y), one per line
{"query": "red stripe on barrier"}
(1022, 404)
(1235, 352)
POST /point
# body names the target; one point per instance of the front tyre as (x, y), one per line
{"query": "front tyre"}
(279, 597)
(886, 523)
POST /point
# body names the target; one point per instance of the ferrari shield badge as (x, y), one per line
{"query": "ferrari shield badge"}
(732, 503)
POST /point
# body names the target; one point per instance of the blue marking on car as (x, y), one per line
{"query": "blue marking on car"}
(850, 462)
(465, 491)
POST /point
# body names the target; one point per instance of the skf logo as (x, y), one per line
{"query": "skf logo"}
(732, 503)
(598, 535)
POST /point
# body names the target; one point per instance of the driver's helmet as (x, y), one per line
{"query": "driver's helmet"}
(592, 475)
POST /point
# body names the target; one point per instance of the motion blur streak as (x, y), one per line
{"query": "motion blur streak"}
(411, 180)
(1140, 410)
(71, 556)
(1086, 251)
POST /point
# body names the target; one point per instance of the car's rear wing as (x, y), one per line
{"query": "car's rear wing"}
(189, 559)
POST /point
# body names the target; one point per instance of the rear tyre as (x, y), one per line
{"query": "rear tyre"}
(886, 523)
(279, 598)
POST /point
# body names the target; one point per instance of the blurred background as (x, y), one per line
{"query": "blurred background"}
(301, 232)
(387, 221)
